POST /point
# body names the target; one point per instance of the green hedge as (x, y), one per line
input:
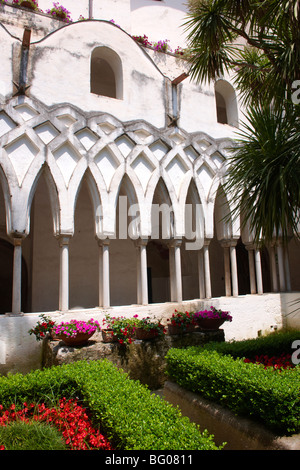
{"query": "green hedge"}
(248, 389)
(130, 415)
(271, 345)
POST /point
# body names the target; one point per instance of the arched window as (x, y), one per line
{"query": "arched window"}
(106, 73)
(226, 103)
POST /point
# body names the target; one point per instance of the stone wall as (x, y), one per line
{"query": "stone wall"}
(142, 360)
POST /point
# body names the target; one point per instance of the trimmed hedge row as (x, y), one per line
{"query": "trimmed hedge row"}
(130, 415)
(269, 397)
(273, 344)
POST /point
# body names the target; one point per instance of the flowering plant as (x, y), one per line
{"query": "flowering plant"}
(69, 417)
(150, 324)
(277, 362)
(213, 313)
(74, 327)
(162, 46)
(46, 325)
(182, 318)
(142, 40)
(58, 11)
(122, 327)
(32, 3)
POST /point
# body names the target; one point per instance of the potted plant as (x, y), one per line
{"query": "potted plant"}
(119, 329)
(148, 328)
(181, 322)
(31, 4)
(43, 328)
(60, 12)
(211, 319)
(76, 332)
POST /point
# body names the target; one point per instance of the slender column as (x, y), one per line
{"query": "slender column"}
(250, 250)
(273, 269)
(178, 277)
(100, 273)
(142, 278)
(207, 269)
(17, 276)
(227, 269)
(175, 271)
(172, 274)
(138, 275)
(105, 274)
(282, 285)
(64, 273)
(201, 274)
(258, 271)
(234, 277)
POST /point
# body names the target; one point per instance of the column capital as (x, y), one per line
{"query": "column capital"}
(17, 241)
(103, 242)
(64, 238)
(141, 241)
(175, 242)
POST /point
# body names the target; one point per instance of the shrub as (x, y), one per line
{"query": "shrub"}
(21, 435)
(131, 416)
(247, 389)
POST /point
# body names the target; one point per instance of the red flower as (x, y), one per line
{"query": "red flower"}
(69, 417)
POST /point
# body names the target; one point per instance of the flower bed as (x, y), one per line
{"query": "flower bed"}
(131, 416)
(68, 417)
(284, 361)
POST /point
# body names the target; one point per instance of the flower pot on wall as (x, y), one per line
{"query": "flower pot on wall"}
(180, 329)
(210, 323)
(108, 336)
(79, 340)
(141, 333)
(27, 4)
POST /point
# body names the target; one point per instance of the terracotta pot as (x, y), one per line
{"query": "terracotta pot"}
(140, 333)
(108, 336)
(79, 340)
(53, 337)
(210, 323)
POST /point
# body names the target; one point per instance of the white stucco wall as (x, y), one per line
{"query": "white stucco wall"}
(252, 315)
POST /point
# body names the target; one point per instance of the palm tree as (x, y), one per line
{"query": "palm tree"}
(264, 174)
(259, 42)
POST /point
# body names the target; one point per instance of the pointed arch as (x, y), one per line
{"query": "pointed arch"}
(7, 199)
(163, 216)
(194, 215)
(53, 196)
(222, 216)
